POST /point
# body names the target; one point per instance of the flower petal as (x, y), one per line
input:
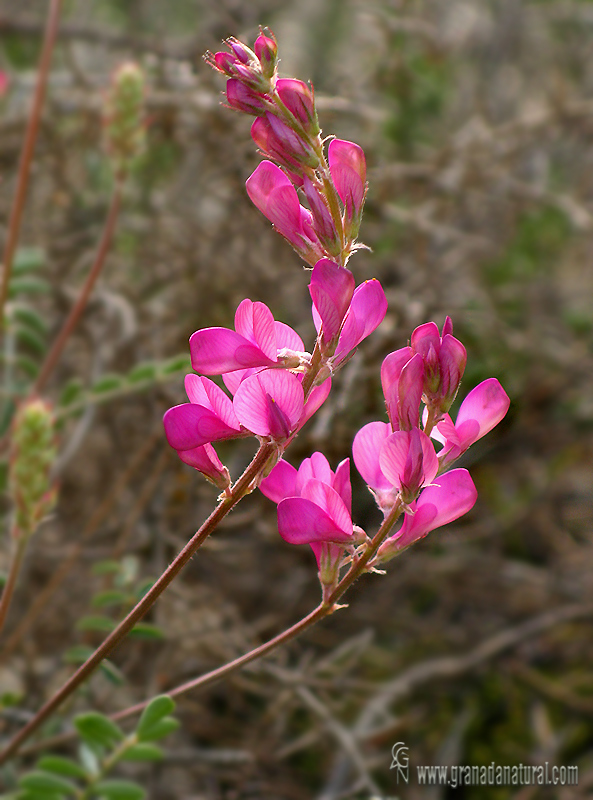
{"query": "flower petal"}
(189, 425)
(270, 403)
(365, 450)
(280, 483)
(300, 521)
(218, 350)
(255, 322)
(367, 310)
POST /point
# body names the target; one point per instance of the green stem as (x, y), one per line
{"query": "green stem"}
(239, 490)
(16, 212)
(15, 567)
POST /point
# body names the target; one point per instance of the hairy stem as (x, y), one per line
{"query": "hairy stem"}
(240, 488)
(16, 212)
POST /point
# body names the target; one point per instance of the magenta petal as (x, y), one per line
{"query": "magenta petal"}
(269, 403)
(315, 467)
(218, 350)
(329, 500)
(317, 397)
(255, 322)
(391, 370)
(272, 192)
(424, 337)
(486, 404)
(342, 483)
(365, 450)
(367, 310)
(409, 394)
(280, 483)
(300, 521)
(205, 392)
(348, 170)
(331, 288)
(188, 426)
(287, 338)
(450, 497)
(392, 457)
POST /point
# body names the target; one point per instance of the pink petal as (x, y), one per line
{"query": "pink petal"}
(391, 370)
(348, 170)
(317, 397)
(409, 394)
(342, 483)
(367, 310)
(218, 350)
(486, 404)
(188, 426)
(205, 392)
(269, 403)
(280, 483)
(287, 338)
(396, 452)
(450, 497)
(425, 336)
(331, 289)
(365, 450)
(326, 497)
(206, 461)
(255, 322)
(300, 521)
(315, 467)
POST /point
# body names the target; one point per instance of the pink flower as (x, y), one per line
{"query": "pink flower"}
(243, 98)
(279, 141)
(206, 461)
(274, 195)
(208, 417)
(444, 359)
(482, 409)
(257, 341)
(331, 289)
(314, 507)
(322, 220)
(266, 50)
(270, 403)
(367, 311)
(402, 379)
(348, 170)
(366, 449)
(450, 496)
(298, 99)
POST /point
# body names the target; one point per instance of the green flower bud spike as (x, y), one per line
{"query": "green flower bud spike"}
(124, 126)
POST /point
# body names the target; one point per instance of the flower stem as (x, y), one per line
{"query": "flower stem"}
(240, 488)
(81, 301)
(9, 586)
(16, 213)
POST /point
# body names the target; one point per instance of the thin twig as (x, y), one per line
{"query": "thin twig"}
(16, 213)
(9, 586)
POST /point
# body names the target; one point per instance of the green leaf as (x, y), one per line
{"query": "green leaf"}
(30, 318)
(158, 709)
(71, 392)
(107, 567)
(143, 751)
(142, 372)
(61, 766)
(77, 654)
(148, 632)
(28, 366)
(119, 790)
(45, 783)
(160, 729)
(110, 597)
(95, 622)
(28, 285)
(112, 673)
(107, 384)
(28, 259)
(97, 728)
(176, 364)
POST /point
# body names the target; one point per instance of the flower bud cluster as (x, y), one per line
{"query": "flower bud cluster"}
(123, 117)
(286, 130)
(32, 455)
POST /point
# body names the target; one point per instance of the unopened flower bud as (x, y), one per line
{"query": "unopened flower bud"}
(243, 98)
(266, 51)
(298, 99)
(32, 455)
(123, 116)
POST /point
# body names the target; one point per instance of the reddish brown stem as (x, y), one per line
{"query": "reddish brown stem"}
(9, 586)
(16, 212)
(81, 301)
(240, 488)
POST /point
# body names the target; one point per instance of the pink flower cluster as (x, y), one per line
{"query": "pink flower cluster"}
(274, 385)
(286, 130)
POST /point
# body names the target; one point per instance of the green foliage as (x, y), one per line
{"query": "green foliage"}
(103, 746)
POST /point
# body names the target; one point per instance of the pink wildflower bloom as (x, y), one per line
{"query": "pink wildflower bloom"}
(367, 311)
(322, 221)
(314, 502)
(331, 289)
(257, 341)
(347, 165)
(298, 99)
(206, 461)
(208, 417)
(409, 462)
(270, 403)
(277, 140)
(450, 496)
(266, 50)
(482, 409)
(272, 192)
(402, 379)
(243, 98)
(366, 448)
(444, 358)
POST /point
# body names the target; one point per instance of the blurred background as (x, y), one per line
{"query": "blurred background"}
(476, 117)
